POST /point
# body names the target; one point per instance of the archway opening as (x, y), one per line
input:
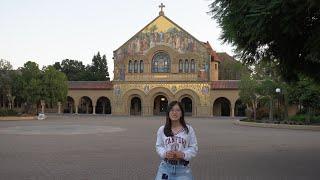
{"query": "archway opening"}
(221, 107)
(160, 105)
(187, 106)
(135, 106)
(85, 105)
(103, 106)
(69, 105)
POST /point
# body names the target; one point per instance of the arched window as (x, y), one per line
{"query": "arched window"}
(193, 67)
(180, 66)
(161, 63)
(135, 66)
(141, 66)
(130, 67)
(186, 66)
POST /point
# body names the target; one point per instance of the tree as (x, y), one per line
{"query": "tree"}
(6, 82)
(306, 93)
(55, 86)
(32, 87)
(76, 71)
(99, 68)
(249, 92)
(73, 69)
(281, 30)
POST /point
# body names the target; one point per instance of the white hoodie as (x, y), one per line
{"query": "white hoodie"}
(187, 143)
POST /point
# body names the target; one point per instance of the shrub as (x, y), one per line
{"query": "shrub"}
(262, 112)
(315, 119)
(8, 112)
(299, 117)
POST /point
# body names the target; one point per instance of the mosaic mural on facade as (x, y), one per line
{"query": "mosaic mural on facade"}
(159, 32)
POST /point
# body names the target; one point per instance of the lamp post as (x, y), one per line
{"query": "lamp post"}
(278, 91)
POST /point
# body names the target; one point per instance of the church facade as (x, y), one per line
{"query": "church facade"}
(159, 64)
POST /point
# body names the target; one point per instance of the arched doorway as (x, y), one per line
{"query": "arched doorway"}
(221, 107)
(240, 108)
(103, 106)
(135, 106)
(85, 105)
(69, 105)
(160, 105)
(187, 106)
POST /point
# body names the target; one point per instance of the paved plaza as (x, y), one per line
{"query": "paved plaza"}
(82, 147)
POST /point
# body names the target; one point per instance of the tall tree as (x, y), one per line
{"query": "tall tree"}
(73, 69)
(55, 86)
(32, 91)
(282, 30)
(250, 93)
(6, 82)
(306, 93)
(99, 68)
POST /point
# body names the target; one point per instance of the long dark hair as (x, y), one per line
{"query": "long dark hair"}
(167, 127)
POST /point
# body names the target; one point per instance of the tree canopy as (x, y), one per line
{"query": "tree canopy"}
(281, 30)
(77, 71)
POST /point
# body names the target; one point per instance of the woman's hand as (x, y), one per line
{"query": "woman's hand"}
(170, 155)
(179, 155)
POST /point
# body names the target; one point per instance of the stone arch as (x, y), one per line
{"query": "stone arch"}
(160, 90)
(103, 105)
(187, 105)
(190, 94)
(157, 92)
(160, 104)
(135, 106)
(129, 95)
(222, 107)
(85, 105)
(69, 106)
(152, 51)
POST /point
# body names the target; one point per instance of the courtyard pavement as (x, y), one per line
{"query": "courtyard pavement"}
(82, 147)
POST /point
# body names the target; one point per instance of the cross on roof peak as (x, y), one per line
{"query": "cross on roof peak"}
(161, 11)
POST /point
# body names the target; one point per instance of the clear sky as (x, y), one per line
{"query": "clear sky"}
(47, 31)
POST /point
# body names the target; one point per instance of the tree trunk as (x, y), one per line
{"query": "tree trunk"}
(286, 104)
(254, 107)
(308, 115)
(271, 109)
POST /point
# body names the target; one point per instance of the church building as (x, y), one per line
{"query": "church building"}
(159, 64)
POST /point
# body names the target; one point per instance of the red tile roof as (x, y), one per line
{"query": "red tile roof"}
(225, 84)
(90, 85)
(214, 56)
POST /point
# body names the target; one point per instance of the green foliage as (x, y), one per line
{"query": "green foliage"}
(32, 87)
(76, 71)
(305, 92)
(8, 112)
(55, 87)
(299, 118)
(279, 30)
(73, 69)
(249, 92)
(231, 70)
(5, 79)
(303, 118)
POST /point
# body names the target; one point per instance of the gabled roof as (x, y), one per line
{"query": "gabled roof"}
(214, 56)
(170, 21)
(90, 85)
(223, 56)
(225, 84)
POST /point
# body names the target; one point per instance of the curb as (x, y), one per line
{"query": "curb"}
(17, 118)
(277, 126)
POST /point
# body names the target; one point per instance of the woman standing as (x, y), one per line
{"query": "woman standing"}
(176, 144)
